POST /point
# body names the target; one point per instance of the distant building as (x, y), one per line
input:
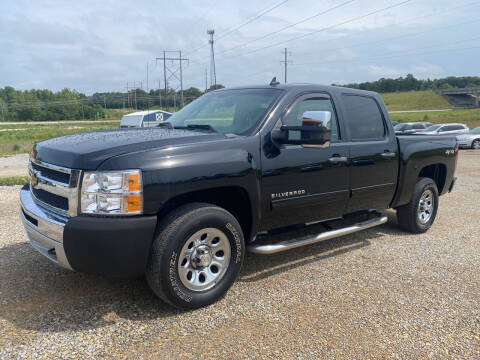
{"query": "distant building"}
(148, 118)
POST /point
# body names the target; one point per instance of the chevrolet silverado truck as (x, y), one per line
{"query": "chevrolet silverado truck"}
(262, 169)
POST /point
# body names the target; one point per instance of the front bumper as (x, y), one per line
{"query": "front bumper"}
(97, 245)
(464, 144)
(44, 229)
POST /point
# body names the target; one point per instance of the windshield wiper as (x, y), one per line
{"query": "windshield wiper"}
(166, 124)
(197, 126)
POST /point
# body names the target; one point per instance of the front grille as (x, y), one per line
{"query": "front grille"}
(55, 187)
(48, 198)
(52, 174)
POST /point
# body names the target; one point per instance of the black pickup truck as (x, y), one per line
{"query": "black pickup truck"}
(265, 169)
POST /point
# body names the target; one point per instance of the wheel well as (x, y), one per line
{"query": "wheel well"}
(233, 199)
(436, 172)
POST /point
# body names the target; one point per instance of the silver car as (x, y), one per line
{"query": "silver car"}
(445, 129)
(470, 140)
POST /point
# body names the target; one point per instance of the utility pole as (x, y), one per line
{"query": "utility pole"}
(181, 80)
(104, 102)
(128, 97)
(286, 61)
(136, 108)
(159, 95)
(213, 75)
(147, 77)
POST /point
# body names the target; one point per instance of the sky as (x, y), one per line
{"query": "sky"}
(95, 46)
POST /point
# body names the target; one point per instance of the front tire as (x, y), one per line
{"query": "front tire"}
(196, 256)
(476, 144)
(419, 214)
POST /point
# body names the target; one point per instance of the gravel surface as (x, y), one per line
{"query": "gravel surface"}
(14, 165)
(381, 293)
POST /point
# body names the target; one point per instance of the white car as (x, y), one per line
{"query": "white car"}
(470, 140)
(149, 118)
(445, 129)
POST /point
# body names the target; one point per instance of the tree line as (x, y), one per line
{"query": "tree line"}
(410, 83)
(66, 104)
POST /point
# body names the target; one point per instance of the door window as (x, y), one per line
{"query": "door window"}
(364, 119)
(294, 117)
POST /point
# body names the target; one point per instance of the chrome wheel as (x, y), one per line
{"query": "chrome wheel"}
(425, 206)
(476, 144)
(204, 259)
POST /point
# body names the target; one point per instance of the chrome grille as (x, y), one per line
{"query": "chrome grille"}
(54, 187)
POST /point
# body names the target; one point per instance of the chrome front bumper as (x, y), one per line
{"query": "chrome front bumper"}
(44, 229)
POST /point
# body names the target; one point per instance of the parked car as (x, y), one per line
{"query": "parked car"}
(394, 123)
(410, 128)
(445, 129)
(470, 140)
(232, 171)
(148, 118)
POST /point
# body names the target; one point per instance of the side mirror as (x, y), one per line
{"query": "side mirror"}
(315, 130)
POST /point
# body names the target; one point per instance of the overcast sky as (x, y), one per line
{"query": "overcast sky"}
(101, 45)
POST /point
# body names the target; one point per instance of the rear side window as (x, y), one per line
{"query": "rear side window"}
(364, 119)
(418, 126)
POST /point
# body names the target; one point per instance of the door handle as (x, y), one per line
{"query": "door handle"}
(388, 154)
(337, 159)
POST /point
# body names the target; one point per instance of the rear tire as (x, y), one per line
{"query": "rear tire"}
(419, 214)
(476, 144)
(196, 256)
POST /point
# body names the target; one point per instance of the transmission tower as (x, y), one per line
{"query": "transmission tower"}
(213, 75)
(171, 72)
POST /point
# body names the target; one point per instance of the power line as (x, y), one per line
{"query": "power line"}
(223, 35)
(329, 27)
(415, 33)
(289, 26)
(315, 31)
(394, 54)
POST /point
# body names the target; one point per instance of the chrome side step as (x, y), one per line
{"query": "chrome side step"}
(266, 249)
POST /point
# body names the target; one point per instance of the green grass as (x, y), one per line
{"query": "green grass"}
(17, 139)
(470, 117)
(14, 180)
(414, 100)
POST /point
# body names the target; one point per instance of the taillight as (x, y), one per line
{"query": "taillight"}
(456, 156)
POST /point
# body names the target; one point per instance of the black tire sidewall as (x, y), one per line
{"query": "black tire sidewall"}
(475, 141)
(422, 186)
(174, 289)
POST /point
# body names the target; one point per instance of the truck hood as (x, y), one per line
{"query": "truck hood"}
(87, 151)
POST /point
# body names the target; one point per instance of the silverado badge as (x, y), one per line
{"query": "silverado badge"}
(288, 194)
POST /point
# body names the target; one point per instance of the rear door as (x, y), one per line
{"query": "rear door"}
(373, 154)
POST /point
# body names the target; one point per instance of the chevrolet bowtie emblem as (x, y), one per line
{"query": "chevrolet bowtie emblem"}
(34, 179)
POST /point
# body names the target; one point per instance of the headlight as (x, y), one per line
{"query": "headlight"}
(112, 192)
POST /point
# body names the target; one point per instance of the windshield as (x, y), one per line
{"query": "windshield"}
(227, 111)
(401, 127)
(475, 131)
(432, 128)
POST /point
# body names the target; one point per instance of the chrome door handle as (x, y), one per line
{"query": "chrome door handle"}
(388, 154)
(338, 159)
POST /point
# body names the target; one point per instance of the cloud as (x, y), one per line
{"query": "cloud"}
(94, 46)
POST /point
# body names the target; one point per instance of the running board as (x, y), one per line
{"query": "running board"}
(266, 249)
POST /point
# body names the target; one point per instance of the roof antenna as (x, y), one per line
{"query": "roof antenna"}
(274, 81)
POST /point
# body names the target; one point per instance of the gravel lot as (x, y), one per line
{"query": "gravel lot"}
(14, 165)
(381, 293)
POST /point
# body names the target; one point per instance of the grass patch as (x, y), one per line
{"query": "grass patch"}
(470, 117)
(17, 139)
(14, 180)
(415, 100)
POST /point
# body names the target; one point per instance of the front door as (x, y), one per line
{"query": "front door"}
(304, 184)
